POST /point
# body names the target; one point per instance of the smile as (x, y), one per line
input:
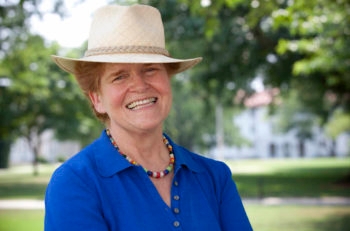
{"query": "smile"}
(141, 103)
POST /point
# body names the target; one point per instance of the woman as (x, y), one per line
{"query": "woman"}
(134, 177)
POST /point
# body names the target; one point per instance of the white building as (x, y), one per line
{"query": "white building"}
(257, 127)
(51, 150)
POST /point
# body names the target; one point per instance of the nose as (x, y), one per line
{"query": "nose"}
(139, 82)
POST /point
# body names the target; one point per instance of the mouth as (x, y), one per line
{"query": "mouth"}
(141, 103)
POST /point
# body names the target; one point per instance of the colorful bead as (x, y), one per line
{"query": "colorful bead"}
(160, 174)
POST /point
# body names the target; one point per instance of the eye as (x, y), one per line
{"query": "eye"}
(119, 77)
(149, 70)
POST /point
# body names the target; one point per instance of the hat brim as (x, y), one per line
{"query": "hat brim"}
(68, 64)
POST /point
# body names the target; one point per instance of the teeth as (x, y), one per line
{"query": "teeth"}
(135, 104)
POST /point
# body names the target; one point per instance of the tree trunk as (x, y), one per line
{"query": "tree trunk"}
(301, 148)
(34, 143)
(333, 148)
(219, 130)
(35, 161)
(5, 146)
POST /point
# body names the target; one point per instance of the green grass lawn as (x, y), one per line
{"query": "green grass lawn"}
(299, 218)
(21, 220)
(292, 177)
(19, 182)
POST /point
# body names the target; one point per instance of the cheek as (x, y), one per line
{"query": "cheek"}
(165, 88)
(170, 93)
(111, 98)
(115, 98)
(167, 91)
(165, 85)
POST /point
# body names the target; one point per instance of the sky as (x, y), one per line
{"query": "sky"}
(73, 30)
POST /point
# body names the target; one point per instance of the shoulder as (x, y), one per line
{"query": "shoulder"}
(210, 164)
(214, 170)
(83, 158)
(80, 164)
(96, 160)
(213, 176)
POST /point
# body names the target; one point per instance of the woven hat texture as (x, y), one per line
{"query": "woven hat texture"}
(126, 34)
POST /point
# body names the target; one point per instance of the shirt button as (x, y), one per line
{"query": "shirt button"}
(176, 197)
(176, 210)
(176, 183)
(176, 224)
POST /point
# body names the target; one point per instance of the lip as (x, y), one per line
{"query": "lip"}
(137, 104)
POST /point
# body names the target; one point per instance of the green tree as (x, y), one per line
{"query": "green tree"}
(42, 97)
(186, 123)
(217, 78)
(319, 35)
(290, 115)
(6, 127)
(71, 108)
(35, 94)
(294, 45)
(14, 20)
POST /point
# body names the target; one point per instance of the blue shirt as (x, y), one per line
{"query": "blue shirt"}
(99, 190)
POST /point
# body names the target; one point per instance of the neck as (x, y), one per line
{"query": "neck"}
(147, 149)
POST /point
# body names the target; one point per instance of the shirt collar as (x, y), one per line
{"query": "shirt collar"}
(109, 161)
(184, 158)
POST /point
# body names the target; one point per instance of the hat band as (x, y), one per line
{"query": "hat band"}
(126, 49)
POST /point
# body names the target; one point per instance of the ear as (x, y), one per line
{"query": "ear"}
(96, 101)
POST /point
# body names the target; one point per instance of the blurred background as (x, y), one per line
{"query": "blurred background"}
(271, 98)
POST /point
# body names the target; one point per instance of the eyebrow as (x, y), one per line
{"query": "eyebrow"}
(122, 69)
(115, 72)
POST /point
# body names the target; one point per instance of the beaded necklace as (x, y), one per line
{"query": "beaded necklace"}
(150, 173)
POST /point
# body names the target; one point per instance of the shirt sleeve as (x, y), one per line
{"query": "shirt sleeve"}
(232, 212)
(70, 204)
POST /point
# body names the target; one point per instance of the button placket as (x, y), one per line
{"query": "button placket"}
(175, 202)
(176, 224)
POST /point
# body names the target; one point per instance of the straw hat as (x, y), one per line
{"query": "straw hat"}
(126, 34)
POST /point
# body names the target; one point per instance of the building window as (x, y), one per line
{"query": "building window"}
(273, 150)
(286, 149)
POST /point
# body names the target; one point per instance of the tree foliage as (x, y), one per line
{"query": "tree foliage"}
(14, 20)
(300, 46)
(186, 123)
(38, 95)
(319, 33)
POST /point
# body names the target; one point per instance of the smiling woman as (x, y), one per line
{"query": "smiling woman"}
(136, 97)
(134, 177)
(88, 75)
